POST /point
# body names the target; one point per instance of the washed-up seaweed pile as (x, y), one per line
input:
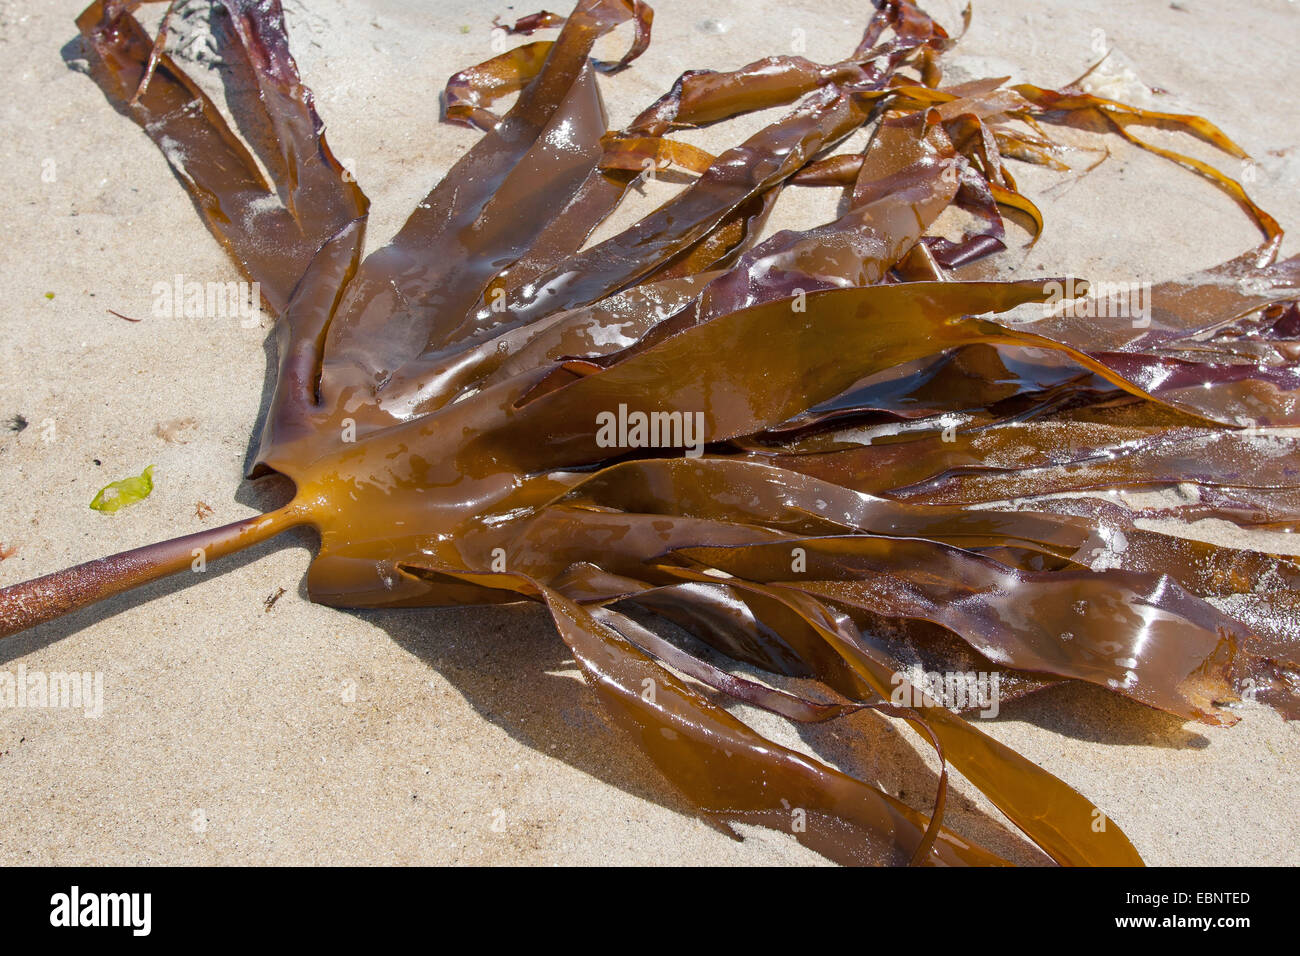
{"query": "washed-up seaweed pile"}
(667, 426)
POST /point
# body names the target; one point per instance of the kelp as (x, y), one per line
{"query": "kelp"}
(829, 454)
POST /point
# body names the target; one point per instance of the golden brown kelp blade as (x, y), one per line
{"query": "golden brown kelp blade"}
(731, 772)
(1116, 593)
(1129, 632)
(446, 409)
(493, 206)
(1053, 815)
(272, 230)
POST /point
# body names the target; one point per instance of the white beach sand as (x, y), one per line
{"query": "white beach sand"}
(232, 734)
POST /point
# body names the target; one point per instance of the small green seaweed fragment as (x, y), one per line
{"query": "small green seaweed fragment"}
(118, 494)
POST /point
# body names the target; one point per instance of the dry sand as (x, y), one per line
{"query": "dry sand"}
(231, 734)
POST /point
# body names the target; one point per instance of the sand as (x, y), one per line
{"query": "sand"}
(233, 734)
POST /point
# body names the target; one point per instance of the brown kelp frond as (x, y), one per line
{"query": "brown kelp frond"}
(272, 230)
(829, 454)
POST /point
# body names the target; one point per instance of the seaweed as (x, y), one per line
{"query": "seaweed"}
(117, 495)
(664, 429)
